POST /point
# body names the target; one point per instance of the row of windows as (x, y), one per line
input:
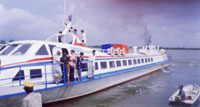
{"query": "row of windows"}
(37, 73)
(34, 73)
(119, 63)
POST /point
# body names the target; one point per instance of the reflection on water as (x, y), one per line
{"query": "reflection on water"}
(150, 91)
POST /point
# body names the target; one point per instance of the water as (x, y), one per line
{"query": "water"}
(150, 91)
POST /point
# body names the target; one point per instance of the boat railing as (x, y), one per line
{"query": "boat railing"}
(47, 77)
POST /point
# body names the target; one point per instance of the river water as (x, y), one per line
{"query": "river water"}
(150, 91)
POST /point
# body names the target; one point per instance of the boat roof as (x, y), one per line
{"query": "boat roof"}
(32, 41)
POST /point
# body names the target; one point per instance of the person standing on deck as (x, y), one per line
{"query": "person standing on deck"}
(72, 64)
(79, 65)
(91, 63)
(65, 67)
(60, 36)
(32, 99)
(75, 38)
(84, 37)
(57, 72)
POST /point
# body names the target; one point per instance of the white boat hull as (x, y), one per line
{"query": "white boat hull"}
(84, 88)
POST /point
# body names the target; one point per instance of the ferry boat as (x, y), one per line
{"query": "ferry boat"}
(32, 60)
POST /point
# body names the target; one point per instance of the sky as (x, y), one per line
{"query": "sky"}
(169, 23)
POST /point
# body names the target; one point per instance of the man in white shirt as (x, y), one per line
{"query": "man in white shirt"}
(56, 67)
(84, 37)
(75, 38)
(91, 64)
(32, 99)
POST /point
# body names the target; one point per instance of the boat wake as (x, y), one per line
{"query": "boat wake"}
(167, 70)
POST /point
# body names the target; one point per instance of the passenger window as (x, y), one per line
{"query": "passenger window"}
(112, 64)
(138, 61)
(148, 59)
(36, 73)
(103, 65)
(19, 76)
(145, 59)
(51, 48)
(124, 63)
(118, 63)
(151, 59)
(134, 61)
(130, 62)
(96, 66)
(142, 60)
(85, 67)
(42, 51)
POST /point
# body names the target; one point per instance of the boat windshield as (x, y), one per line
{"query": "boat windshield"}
(22, 49)
(2, 47)
(8, 49)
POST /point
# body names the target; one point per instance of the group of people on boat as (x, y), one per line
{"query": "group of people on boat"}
(64, 67)
(74, 33)
(75, 39)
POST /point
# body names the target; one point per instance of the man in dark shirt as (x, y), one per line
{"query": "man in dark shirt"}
(64, 66)
(60, 35)
(80, 65)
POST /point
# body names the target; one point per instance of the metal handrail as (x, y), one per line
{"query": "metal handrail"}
(20, 77)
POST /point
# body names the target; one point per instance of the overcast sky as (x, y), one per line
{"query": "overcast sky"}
(165, 22)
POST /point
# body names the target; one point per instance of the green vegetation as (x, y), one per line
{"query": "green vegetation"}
(179, 48)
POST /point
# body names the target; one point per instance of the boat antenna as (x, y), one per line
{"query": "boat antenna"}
(76, 18)
(64, 12)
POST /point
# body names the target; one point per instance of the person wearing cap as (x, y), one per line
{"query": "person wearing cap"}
(32, 99)
(56, 67)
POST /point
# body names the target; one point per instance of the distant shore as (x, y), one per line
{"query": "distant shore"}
(179, 48)
(166, 48)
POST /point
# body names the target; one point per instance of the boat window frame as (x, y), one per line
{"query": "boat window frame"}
(104, 67)
(146, 60)
(50, 46)
(134, 61)
(151, 59)
(35, 73)
(11, 51)
(138, 61)
(39, 50)
(118, 64)
(130, 62)
(17, 77)
(21, 45)
(96, 66)
(142, 60)
(112, 64)
(124, 62)
(2, 48)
